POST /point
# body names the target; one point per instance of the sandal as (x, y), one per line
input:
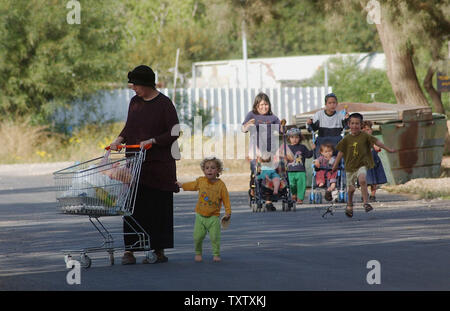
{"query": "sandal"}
(368, 207)
(349, 210)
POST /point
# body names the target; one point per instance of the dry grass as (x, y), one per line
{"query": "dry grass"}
(424, 188)
(26, 143)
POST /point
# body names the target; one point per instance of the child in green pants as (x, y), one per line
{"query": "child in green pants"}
(212, 193)
(296, 153)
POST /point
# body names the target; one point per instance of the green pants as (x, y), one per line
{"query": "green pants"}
(297, 183)
(204, 225)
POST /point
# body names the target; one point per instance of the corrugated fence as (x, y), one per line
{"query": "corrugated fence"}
(228, 106)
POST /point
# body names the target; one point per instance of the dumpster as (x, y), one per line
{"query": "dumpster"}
(416, 133)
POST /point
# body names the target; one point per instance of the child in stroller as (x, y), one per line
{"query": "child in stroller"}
(332, 182)
(270, 185)
(325, 178)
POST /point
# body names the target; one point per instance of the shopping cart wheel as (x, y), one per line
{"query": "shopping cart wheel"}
(85, 261)
(150, 257)
(67, 258)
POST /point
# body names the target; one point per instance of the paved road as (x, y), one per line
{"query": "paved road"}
(280, 251)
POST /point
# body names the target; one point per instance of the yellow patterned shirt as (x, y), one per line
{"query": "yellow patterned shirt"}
(211, 195)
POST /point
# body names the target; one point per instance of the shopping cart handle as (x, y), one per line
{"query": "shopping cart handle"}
(146, 147)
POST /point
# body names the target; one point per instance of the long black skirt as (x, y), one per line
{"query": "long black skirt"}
(153, 211)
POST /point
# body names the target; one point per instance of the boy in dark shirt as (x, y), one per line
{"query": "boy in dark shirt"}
(296, 153)
(356, 150)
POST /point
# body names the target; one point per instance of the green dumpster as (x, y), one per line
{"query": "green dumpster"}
(419, 145)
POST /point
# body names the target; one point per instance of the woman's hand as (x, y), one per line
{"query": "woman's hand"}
(179, 184)
(116, 143)
(250, 123)
(144, 143)
(226, 217)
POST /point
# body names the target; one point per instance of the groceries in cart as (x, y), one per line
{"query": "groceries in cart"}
(100, 185)
(104, 186)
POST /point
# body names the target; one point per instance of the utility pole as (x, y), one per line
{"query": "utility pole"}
(175, 77)
(244, 52)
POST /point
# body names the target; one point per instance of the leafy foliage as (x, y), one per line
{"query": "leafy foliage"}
(354, 84)
(45, 62)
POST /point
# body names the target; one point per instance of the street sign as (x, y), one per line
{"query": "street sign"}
(443, 82)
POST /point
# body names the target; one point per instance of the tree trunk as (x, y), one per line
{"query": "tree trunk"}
(436, 99)
(399, 64)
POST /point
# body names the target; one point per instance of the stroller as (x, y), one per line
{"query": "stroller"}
(261, 190)
(317, 194)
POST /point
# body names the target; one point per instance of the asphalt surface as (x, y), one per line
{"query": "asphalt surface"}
(278, 251)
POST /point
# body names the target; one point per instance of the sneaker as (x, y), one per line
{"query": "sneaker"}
(128, 259)
(372, 198)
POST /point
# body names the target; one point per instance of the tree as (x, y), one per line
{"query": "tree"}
(46, 62)
(158, 28)
(404, 27)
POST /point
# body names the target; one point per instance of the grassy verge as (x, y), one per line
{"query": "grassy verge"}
(424, 188)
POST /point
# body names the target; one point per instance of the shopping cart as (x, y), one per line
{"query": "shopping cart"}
(104, 186)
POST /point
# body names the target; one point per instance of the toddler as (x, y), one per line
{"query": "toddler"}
(324, 165)
(271, 177)
(296, 153)
(212, 193)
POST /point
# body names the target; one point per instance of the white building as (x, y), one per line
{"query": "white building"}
(269, 72)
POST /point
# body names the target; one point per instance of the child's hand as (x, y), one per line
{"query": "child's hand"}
(309, 122)
(226, 217)
(179, 184)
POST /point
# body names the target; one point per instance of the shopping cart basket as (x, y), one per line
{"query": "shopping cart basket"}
(104, 186)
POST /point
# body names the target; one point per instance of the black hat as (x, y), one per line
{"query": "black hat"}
(142, 75)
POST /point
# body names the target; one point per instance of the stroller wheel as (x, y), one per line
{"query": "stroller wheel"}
(290, 206)
(259, 207)
(318, 198)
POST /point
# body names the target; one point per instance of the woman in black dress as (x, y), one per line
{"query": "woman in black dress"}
(151, 120)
